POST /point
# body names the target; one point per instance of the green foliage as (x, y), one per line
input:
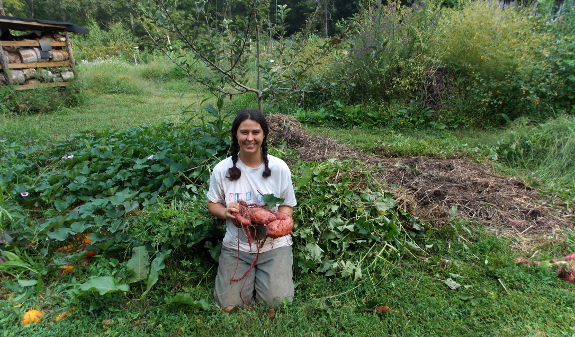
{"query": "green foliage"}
(102, 44)
(240, 51)
(342, 216)
(475, 64)
(509, 64)
(38, 101)
(90, 182)
(547, 150)
(180, 225)
(494, 296)
(386, 57)
(111, 77)
(339, 115)
(160, 69)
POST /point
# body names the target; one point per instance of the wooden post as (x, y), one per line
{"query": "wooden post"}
(71, 55)
(4, 62)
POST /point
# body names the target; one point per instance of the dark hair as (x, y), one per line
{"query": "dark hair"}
(234, 172)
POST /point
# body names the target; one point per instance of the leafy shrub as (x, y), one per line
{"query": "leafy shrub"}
(554, 68)
(101, 44)
(160, 69)
(342, 215)
(505, 60)
(387, 59)
(177, 226)
(95, 180)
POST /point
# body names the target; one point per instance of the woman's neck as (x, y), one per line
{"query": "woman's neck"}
(252, 159)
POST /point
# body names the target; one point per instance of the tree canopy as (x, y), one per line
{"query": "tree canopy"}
(108, 12)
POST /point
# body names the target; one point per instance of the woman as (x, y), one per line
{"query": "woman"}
(248, 174)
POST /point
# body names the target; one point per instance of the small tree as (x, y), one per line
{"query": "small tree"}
(222, 47)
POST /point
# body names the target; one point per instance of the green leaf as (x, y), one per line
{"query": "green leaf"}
(138, 264)
(61, 234)
(315, 251)
(213, 111)
(305, 177)
(61, 205)
(106, 245)
(27, 283)
(130, 206)
(169, 181)
(272, 201)
(14, 264)
(183, 298)
(79, 226)
(452, 284)
(121, 196)
(104, 285)
(11, 256)
(155, 268)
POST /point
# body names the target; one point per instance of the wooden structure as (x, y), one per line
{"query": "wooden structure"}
(41, 58)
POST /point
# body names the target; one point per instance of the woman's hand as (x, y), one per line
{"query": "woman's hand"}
(231, 208)
(221, 211)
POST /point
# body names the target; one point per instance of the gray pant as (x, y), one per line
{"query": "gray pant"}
(270, 280)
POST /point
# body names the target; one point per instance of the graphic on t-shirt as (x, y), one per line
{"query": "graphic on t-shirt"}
(235, 197)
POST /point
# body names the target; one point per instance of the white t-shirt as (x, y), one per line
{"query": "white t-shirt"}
(251, 187)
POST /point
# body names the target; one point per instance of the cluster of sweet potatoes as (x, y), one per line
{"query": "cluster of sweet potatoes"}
(566, 266)
(250, 216)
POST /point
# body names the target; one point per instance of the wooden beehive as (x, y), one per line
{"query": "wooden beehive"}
(41, 58)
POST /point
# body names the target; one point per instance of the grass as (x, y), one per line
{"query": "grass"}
(432, 143)
(496, 297)
(466, 283)
(117, 97)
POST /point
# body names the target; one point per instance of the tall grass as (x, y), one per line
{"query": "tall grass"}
(101, 44)
(547, 150)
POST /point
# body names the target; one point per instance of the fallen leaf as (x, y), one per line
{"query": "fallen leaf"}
(452, 284)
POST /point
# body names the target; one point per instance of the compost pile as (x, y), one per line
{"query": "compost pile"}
(440, 189)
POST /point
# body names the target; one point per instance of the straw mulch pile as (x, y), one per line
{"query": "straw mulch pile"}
(438, 190)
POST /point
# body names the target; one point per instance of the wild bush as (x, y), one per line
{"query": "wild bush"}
(386, 59)
(504, 59)
(101, 44)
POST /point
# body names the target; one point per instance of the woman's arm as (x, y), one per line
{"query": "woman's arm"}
(222, 212)
(286, 210)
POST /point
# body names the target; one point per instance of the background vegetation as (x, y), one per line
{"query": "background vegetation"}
(102, 185)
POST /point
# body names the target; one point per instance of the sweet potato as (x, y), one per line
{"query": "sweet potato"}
(277, 224)
(280, 227)
(567, 272)
(261, 216)
(241, 218)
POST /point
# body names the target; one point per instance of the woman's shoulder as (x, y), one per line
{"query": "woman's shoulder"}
(224, 164)
(275, 161)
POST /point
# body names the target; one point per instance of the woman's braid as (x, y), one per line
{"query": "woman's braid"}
(234, 172)
(267, 172)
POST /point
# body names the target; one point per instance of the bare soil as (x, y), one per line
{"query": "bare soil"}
(438, 190)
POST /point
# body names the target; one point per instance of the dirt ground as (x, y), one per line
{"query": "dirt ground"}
(438, 190)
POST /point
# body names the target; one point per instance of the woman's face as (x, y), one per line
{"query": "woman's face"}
(250, 136)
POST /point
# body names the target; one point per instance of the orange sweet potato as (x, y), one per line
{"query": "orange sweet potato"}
(280, 227)
(261, 216)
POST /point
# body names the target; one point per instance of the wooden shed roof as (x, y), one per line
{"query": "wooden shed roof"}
(16, 23)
